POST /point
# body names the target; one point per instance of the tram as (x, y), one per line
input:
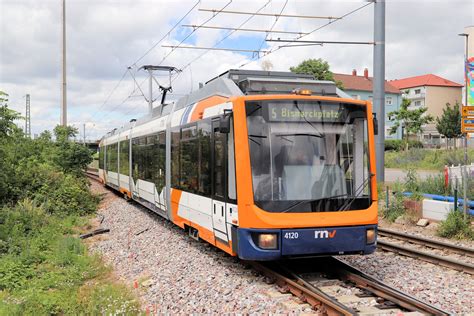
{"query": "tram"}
(261, 164)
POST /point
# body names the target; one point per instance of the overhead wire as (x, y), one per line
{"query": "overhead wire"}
(168, 33)
(144, 55)
(273, 25)
(309, 33)
(193, 31)
(110, 94)
(223, 39)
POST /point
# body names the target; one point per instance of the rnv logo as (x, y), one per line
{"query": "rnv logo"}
(324, 234)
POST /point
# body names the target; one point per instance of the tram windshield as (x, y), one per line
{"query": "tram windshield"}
(308, 156)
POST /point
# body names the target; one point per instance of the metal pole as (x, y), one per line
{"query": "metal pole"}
(379, 85)
(465, 204)
(84, 132)
(64, 86)
(28, 117)
(150, 97)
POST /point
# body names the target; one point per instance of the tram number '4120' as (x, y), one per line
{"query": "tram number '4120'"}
(291, 235)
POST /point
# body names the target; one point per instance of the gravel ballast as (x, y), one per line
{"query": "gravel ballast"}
(172, 273)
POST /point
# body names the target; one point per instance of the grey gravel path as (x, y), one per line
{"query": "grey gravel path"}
(174, 274)
(448, 289)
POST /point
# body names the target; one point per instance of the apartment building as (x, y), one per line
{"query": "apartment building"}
(433, 92)
(361, 87)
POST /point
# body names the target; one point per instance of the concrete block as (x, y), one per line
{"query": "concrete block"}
(422, 222)
(436, 210)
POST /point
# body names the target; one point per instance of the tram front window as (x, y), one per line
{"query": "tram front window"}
(308, 156)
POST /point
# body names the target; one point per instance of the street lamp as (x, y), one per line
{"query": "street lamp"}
(465, 35)
(466, 57)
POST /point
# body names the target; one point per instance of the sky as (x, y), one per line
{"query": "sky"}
(106, 37)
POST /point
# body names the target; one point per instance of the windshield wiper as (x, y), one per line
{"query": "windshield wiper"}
(301, 134)
(311, 201)
(256, 136)
(312, 125)
(358, 191)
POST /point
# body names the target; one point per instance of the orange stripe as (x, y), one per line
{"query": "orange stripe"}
(204, 104)
(175, 197)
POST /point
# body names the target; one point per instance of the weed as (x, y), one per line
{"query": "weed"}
(456, 226)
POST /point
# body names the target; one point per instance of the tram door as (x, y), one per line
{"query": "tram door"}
(219, 149)
(160, 195)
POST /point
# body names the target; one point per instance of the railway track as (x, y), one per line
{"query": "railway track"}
(92, 174)
(324, 283)
(403, 244)
(333, 287)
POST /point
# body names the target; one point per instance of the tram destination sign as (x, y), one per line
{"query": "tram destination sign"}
(311, 112)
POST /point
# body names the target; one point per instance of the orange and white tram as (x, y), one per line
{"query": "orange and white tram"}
(262, 165)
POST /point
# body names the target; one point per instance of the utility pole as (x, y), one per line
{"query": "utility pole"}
(379, 85)
(28, 117)
(464, 170)
(63, 86)
(84, 132)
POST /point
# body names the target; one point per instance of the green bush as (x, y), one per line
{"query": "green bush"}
(43, 197)
(455, 226)
(434, 185)
(399, 144)
(393, 144)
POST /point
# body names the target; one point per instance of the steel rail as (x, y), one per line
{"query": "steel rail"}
(306, 294)
(426, 242)
(92, 175)
(371, 284)
(414, 253)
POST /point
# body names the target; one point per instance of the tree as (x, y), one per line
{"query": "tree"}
(318, 68)
(412, 121)
(7, 117)
(69, 156)
(449, 125)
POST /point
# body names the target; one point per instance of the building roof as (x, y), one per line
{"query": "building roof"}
(425, 80)
(362, 83)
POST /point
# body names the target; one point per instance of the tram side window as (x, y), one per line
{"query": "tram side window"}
(219, 162)
(142, 157)
(135, 158)
(204, 165)
(148, 158)
(188, 158)
(124, 157)
(161, 161)
(112, 157)
(175, 137)
(101, 157)
(232, 190)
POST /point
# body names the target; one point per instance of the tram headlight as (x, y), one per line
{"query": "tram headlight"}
(268, 241)
(370, 236)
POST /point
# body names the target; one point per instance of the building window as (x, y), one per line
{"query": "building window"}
(355, 96)
(388, 100)
(369, 98)
(417, 103)
(417, 91)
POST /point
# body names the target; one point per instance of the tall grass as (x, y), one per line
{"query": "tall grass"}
(44, 269)
(429, 159)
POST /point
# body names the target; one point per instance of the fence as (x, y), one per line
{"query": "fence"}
(454, 174)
